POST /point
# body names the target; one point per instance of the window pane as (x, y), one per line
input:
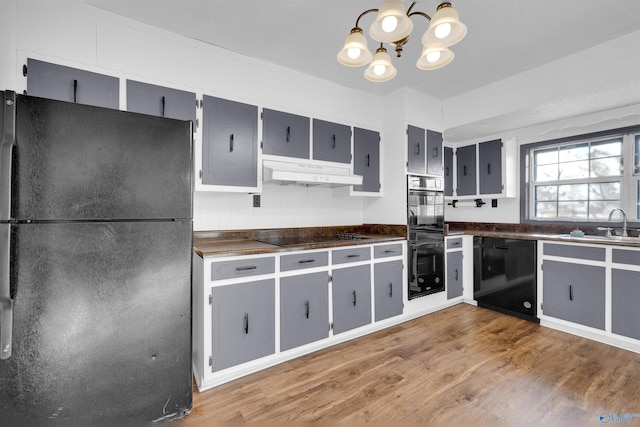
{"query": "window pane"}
(574, 170)
(606, 149)
(605, 191)
(546, 157)
(611, 166)
(546, 173)
(600, 209)
(573, 192)
(546, 210)
(546, 192)
(637, 158)
(572, 210)
(574, 152)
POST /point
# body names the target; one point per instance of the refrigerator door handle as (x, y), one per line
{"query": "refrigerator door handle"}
(6, 153)
(6, 303)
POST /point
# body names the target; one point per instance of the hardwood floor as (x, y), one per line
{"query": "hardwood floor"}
(462, 364)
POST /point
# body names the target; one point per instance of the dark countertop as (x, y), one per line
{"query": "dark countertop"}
(525, 232)
(248, 242)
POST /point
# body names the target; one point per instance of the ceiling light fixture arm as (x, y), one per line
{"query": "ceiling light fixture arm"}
(362, 14)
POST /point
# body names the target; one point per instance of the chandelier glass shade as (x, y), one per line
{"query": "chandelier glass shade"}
(393, 25)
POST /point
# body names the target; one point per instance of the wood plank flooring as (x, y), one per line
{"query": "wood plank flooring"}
(463, 364)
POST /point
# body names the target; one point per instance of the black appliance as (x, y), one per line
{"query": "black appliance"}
(95, 263)
(425, 219)
(505, 276)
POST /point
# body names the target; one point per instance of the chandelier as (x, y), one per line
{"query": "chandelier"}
(393, 25)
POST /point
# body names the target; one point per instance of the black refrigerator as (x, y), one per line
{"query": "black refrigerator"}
(95, 263)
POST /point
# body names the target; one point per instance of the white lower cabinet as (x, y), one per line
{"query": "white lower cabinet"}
(251, 312)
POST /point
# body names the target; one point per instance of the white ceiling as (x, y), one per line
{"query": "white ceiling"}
(505, 37)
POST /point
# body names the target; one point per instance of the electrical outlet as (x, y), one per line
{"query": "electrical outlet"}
(256, 200)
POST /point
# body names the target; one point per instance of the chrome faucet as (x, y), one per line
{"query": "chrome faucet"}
(624, 220)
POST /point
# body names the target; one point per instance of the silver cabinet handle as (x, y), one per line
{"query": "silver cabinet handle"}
(246, 323)
(250, 267)
(354, 298)
(390, 290)
(306, 309)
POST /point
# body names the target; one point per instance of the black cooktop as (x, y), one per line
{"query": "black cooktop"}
(308, 240)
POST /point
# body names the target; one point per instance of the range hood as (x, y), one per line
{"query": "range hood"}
(310, 173)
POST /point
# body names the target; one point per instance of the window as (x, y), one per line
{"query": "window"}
(583, 179)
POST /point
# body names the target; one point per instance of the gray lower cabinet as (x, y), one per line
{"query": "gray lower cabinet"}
(285, 134)
(53, 81)
(366, 159)
(160, 101)
(454, 274)
(466, 170)
(387, 288)
(416, 150)
(434, 153)
(351, 297)
(574, 292)
(242, 322)
(490, 164)
(304, 309)
(331, 141)
(625, 298)
(229, 143)
(448, 171)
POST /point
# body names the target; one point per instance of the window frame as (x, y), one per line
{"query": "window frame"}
(630, 181)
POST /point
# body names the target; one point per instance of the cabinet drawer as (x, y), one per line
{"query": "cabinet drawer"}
(242, 268)
(574, 251)
(300, 261)
(350, 255)
(387, 250)
(623, 256)
(454, 243)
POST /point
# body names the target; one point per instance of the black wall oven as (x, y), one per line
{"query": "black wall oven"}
(425, 219)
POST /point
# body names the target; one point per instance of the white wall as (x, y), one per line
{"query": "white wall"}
(80, 36)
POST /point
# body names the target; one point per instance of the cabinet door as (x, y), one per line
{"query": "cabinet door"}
(351, 298)
(387, 289)
(160, 101)
(229, 143)
(448, 171)
(416, 150)
(574, 292)
(490, 161)
(304, 309)
(54, 81)
(285, 134)
(454, 274)
(625, 298)
(242, 322)
(366, 162)
(434, 153)
(331, 142)
(466, 170)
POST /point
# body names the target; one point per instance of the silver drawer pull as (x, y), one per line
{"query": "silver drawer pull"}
(389, 251)
(306, 261)
(250, 267)
(353, 256)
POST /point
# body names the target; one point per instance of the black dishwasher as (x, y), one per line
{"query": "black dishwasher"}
(504, 276)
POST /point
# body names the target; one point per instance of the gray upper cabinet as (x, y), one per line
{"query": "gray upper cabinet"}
(331, 141)
(574, 292)
(229, 143)
(351, 298)
(434, 153)
(490, 164)
(366, 159)
(160, 101)
(448, 171)
(285, 134)
(243, 323)
(304, 309)
(416, 150)
(454, 274)
(387, 288)
(466, 170)
(62, 83)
